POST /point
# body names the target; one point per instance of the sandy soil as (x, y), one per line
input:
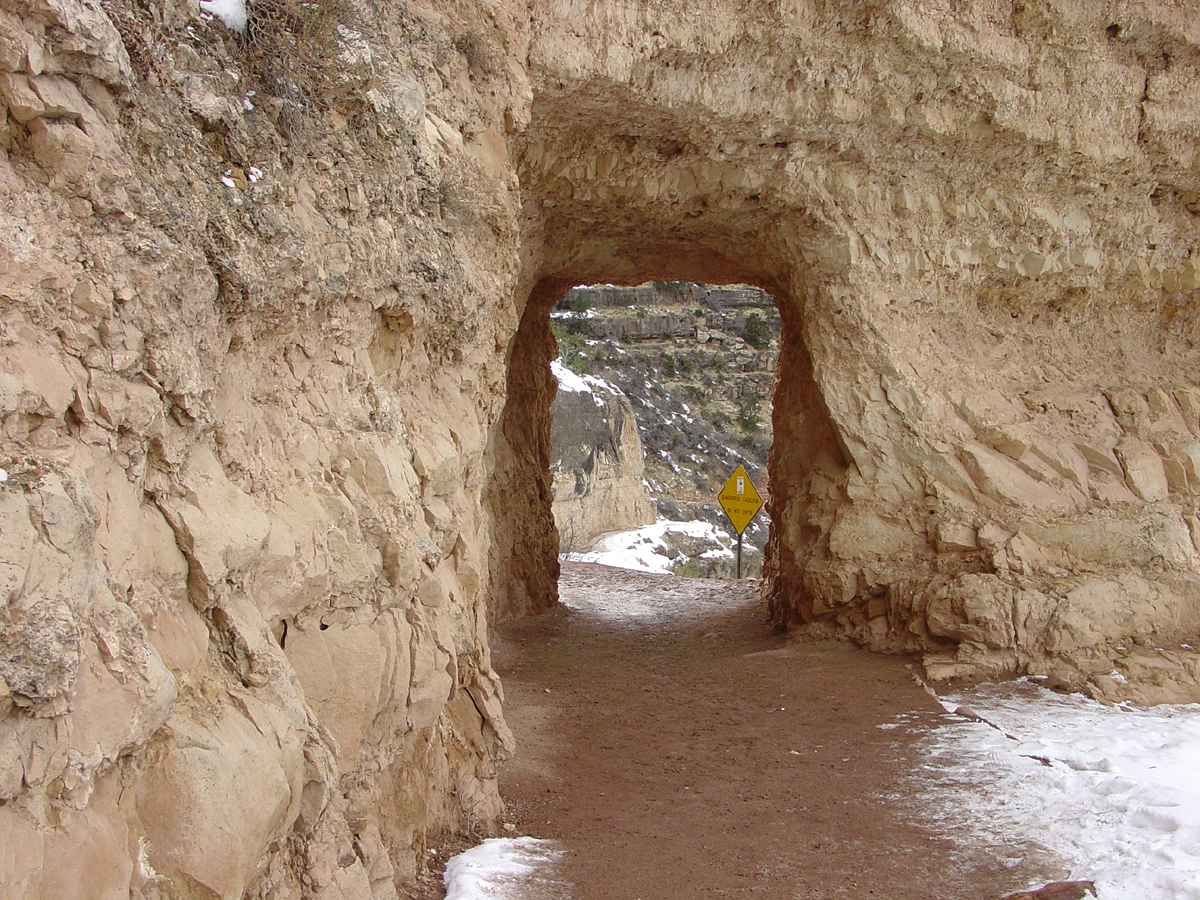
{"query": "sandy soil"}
(679, 748)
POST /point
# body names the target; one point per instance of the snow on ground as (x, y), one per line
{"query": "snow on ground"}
(645, 548)
(505, 869)
(1082, 790)
(570, 314)
(1113, 792)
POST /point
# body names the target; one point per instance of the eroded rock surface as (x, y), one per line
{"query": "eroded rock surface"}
(980, 230)
(275, 397)
(596, 462)
(250, 353)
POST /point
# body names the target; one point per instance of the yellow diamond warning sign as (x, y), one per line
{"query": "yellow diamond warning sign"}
(739, 499)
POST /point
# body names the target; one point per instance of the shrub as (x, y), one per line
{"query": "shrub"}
(675, 289)
(687, 567)
(572, 349)
(756, 332)
(748, 413)
(293, 50)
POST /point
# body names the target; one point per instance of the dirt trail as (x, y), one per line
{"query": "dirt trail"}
(679, 748)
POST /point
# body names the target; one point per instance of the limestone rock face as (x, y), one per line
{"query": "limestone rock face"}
(596, 462)
(275, 394)
(250, 361)
(981, 239)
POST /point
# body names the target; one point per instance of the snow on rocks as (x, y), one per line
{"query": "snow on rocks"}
(649, 548)
(231, 12)
(504, 869)
(582, 384)
(1114, 792)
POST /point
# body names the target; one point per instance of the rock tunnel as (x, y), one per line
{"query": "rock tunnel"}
(600, 230)
(274, 392)
(959, 429)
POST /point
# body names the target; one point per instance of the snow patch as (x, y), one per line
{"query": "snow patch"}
(645, 549)
(572, 314)
(1113, 791)
(231, 12)
(504, 869)
(582, 384)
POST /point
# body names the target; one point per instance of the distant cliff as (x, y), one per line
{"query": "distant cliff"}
(697, 362)
(596, 461)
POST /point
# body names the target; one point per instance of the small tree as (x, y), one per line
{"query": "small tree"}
(756, 332)
(748, 413)
(571, 348)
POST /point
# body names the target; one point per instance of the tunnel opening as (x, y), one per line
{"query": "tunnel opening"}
(664, 390)
(803, 454)
(607, 198)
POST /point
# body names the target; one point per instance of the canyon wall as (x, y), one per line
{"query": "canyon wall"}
(252, 348)
(596, 462)
(979, 222)
(275, 397)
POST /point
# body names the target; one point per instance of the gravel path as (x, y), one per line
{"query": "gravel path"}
(677, 747)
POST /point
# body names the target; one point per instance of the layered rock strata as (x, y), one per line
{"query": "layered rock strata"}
(669, 310)
(273, 377)
(251, 352)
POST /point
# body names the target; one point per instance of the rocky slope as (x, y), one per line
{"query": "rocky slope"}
(701, 394)
(275, 387)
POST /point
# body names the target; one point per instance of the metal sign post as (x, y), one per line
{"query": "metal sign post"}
(741, 503)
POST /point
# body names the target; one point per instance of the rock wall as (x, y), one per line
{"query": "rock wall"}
(275, 396)
(250, 363)
(596, 462)
(652, 321)
(981, 231)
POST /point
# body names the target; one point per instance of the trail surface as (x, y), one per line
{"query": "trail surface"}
(677, 747)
